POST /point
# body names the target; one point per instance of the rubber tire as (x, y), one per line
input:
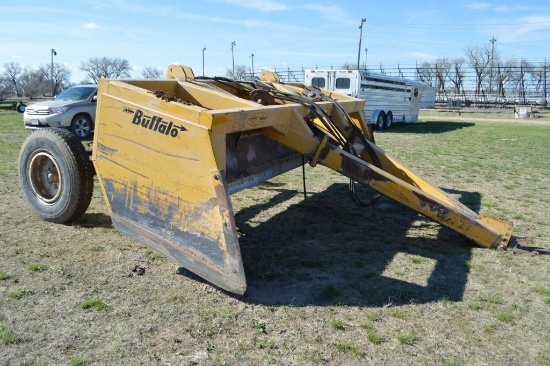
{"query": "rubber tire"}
(56, 175)
(380, 121)
(82, 126)
(21, 108)
(389, 120)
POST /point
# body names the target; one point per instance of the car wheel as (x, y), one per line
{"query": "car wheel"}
(81, 126)
(56, 175)
(21, 108)
(389, 120)
(380, 121)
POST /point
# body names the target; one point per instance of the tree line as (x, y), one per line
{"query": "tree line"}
(491, 74)
(481, 71)
(49, 79)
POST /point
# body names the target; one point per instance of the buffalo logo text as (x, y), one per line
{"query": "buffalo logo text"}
(155, 123)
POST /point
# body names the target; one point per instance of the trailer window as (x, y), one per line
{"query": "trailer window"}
(318, 82)
(415, 92)
(343, 83)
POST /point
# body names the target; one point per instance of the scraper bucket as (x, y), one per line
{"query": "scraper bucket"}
(168, 156)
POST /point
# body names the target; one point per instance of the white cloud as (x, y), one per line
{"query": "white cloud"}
(499, 8)
(536, 22)
(265, 6)
(526, 26)
(334, 13)
(90, 26)
(479, 6)
(430, 15)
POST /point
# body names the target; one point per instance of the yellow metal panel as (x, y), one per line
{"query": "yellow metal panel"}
(164, 186)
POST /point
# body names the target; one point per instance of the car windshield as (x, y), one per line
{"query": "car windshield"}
(78, 93)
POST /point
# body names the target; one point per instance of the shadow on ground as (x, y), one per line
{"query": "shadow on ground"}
(326, 250)
(92, 220)
(427, 127)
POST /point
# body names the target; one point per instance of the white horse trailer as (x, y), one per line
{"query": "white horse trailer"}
(389, 99)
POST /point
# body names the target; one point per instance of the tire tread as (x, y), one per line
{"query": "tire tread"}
(78, 163)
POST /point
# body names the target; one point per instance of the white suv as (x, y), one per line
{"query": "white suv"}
(73, 109)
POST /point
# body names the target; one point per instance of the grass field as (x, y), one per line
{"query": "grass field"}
(329, 283)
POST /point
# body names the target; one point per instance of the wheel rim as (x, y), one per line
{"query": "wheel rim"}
(389, 120)
(45, 177)
(81, 127)
(380, 121)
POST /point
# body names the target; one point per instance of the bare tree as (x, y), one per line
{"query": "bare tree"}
(152, 73)
(525, 68)
(537, 76)
(34, 83)
(426, 73)
(442, 69)
(456, 76)
(13, 75)
(544, 84)
(240, 72)
(61, 77)
(6, 88)
(479, 58)
(105, 67)
(504, 75)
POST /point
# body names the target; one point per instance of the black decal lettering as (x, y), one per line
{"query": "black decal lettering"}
(168, 129)
(157, 123)
(137, 117)
(152, 122)
(162, 128)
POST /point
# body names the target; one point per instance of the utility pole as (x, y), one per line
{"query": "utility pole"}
(492, 40)
(53, 84)
(233, 57)
(204, 49)
(252, 66)
(360, 38)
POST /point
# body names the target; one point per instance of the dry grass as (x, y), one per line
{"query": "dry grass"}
(329, 283)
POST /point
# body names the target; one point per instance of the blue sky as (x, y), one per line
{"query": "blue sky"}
(280, 33)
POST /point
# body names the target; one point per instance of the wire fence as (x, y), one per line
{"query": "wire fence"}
(496, 86)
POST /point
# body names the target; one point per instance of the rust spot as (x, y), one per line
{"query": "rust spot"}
(262, 97)
(441, 211)
(359, 171)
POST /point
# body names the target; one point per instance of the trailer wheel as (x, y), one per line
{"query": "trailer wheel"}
(56, 175)
(380, 121)
(389, 120)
